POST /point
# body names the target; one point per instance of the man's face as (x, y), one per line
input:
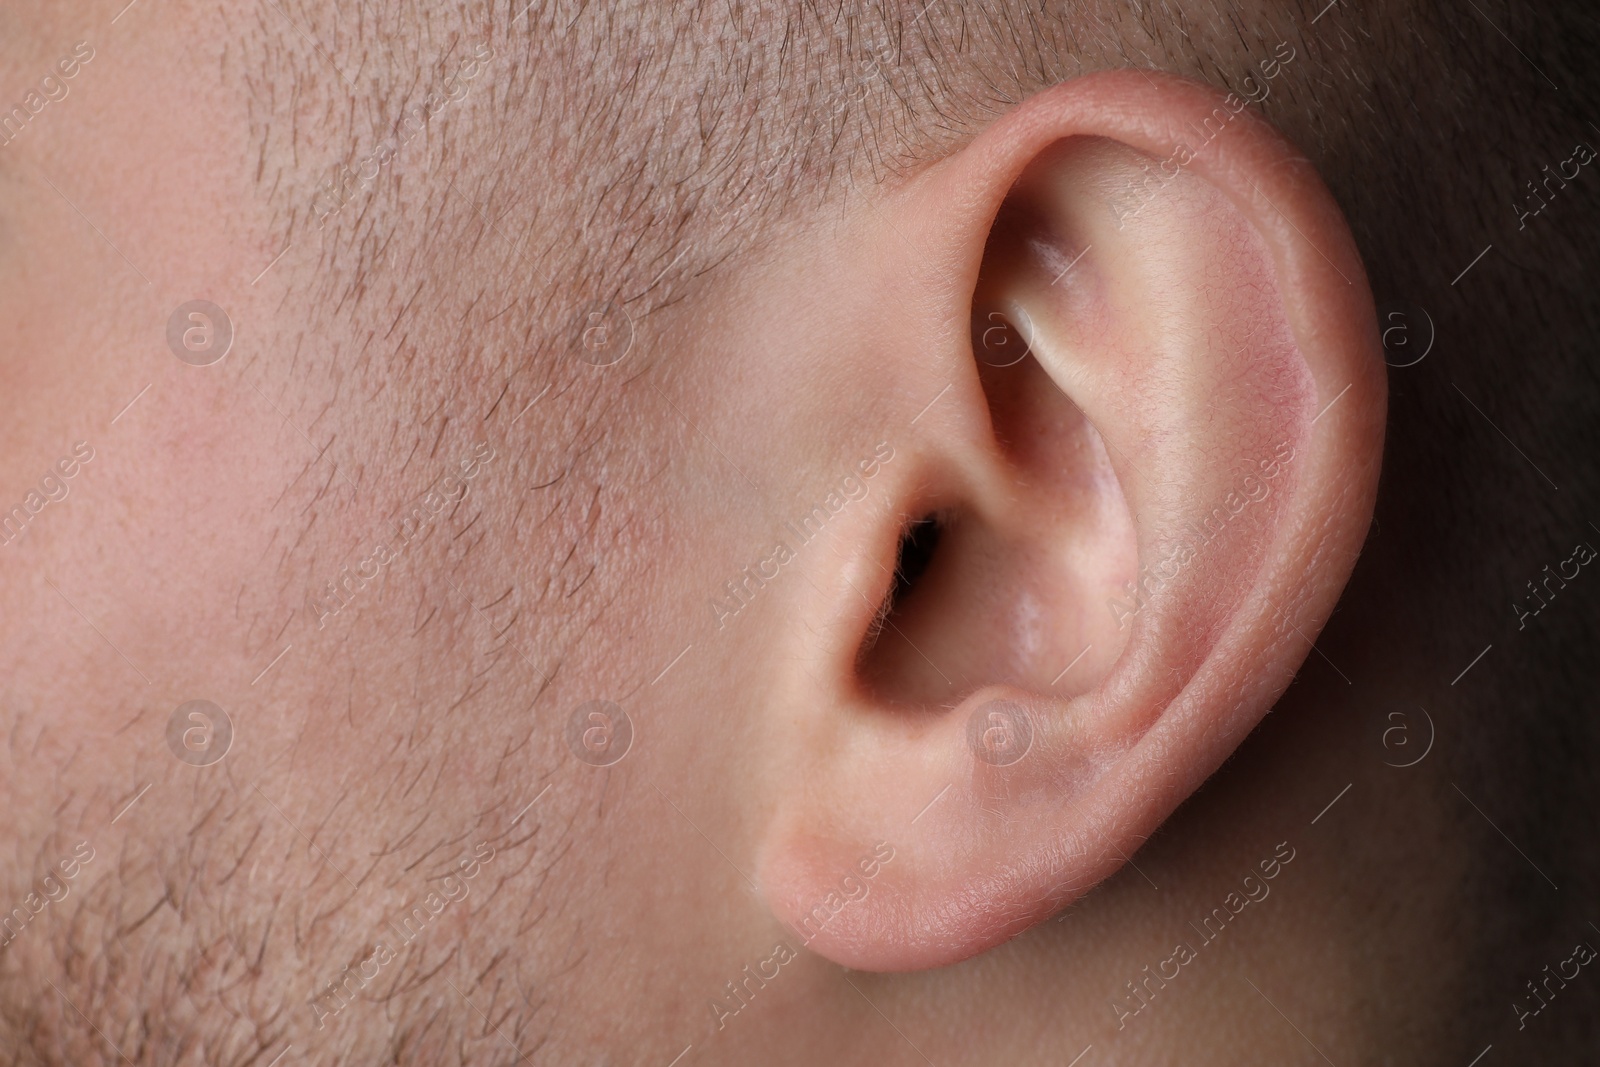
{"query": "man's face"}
(398, 551)
(374, 640)
(437, 627)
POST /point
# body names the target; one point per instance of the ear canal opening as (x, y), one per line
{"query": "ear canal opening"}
(914, 554)
(918, 542)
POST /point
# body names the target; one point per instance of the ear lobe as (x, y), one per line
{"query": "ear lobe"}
(1168, 492)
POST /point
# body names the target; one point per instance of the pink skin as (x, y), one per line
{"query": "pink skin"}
(766, 763)
(1207, 656)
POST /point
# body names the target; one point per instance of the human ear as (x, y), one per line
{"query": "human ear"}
(1143, 521)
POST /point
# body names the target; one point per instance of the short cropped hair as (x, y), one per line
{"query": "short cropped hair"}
(656, 148)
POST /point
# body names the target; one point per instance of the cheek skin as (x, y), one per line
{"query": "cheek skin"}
(195, 455)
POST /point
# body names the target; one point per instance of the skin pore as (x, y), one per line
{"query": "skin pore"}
(411, 370)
